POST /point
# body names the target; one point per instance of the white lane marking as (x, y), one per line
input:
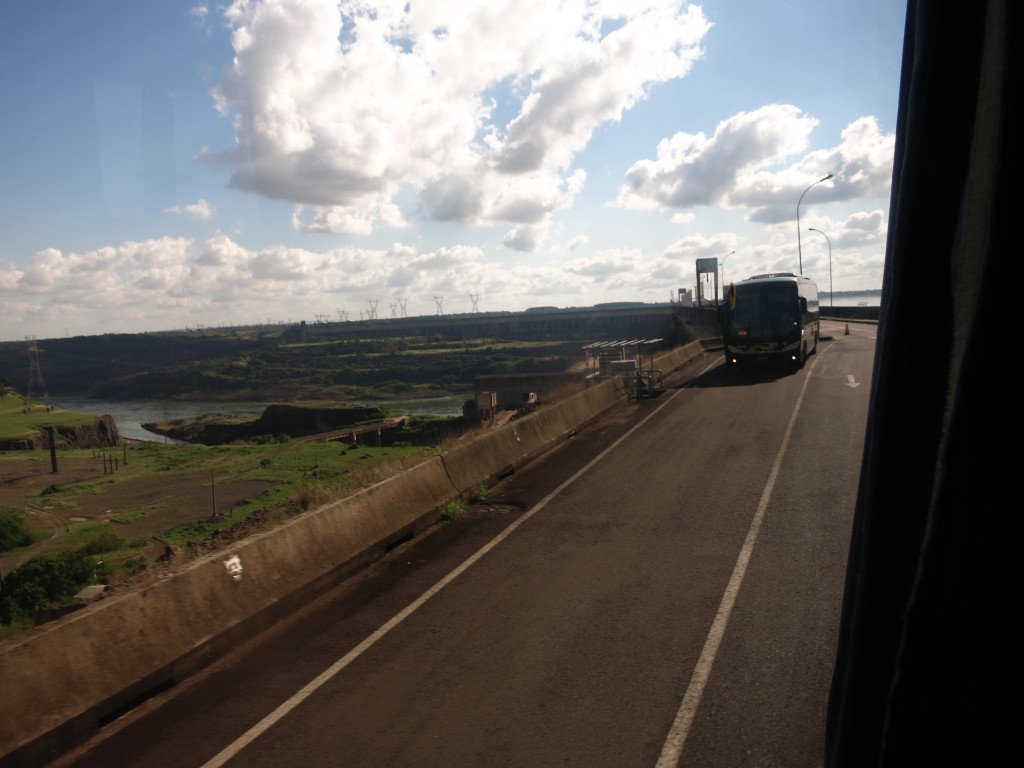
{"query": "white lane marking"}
(311, 687)
(672, 750)
(851, 382)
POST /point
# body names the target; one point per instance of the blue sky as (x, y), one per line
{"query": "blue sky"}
(184, 165)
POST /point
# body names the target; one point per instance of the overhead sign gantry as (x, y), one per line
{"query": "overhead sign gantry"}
(707, 267)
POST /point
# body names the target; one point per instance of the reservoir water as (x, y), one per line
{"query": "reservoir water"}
(852, 299)
(130, 416)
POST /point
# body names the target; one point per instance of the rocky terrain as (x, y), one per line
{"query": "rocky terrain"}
(100, 433)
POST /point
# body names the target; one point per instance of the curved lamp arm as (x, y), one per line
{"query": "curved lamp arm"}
(799, 250)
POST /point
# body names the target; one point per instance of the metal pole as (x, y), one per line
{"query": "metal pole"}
(53, 450)
(721, 267)
(799, 250)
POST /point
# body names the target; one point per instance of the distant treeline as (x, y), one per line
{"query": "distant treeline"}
(148, 367)
(365, 359)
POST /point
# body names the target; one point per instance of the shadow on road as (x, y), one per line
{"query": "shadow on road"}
(733, 376)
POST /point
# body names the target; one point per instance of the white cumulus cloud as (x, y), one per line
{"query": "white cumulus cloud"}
(480, 108)
(738, 166)
(198, 210)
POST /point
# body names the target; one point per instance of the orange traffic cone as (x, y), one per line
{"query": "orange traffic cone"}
(847, 330)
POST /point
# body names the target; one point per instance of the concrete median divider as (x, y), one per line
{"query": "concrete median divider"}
(679, 356)
(62, 681)
(496, 454)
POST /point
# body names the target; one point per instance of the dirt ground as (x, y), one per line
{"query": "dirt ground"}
(158, 503)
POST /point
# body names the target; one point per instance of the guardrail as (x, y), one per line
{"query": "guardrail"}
(869, 314)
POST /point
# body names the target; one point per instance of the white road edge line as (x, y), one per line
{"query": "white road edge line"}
(311, 687)
(672, 750)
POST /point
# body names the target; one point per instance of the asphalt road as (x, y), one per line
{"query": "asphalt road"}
(663, 590)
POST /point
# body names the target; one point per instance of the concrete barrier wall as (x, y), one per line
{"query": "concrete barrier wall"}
(868, 314)
(679, 356)
(495, 454)
(60, 681)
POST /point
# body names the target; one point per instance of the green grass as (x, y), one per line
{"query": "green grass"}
(479, 494)
(303, 475)
(300, 474)
(37, 529)
(17, 422)
(83, 533)
(91, 553)
(132, 516)
(14, 629)
(63, 497)
(452, 509)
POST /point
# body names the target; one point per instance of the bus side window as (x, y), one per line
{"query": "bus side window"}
(803, 304)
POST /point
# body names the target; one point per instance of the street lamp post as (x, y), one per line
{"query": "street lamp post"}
(799, 251)
(830, 295)
(721, 270)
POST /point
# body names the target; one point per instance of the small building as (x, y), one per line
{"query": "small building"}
(514, 391)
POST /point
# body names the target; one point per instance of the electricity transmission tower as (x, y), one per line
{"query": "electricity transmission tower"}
(439, 300)
(475, 298)
(36, 387)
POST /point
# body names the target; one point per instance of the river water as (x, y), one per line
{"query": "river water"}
(130, 416)
(873, 299)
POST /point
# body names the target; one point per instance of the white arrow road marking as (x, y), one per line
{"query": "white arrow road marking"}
(851, 382)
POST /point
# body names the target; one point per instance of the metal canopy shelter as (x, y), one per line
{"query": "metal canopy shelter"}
(625, 359)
